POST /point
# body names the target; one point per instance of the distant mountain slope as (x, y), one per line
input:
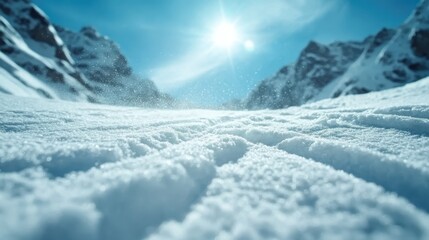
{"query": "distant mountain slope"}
(96, 56)
(391, 58)
(36, 60)
(110, 75)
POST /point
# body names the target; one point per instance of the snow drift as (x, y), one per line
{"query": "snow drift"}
(355, 167)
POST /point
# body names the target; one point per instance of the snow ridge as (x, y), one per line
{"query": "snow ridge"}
(351, 167)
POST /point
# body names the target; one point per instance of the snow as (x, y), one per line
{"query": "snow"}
(370, 71)
(354, 167)
(18, 81)
(39, 68)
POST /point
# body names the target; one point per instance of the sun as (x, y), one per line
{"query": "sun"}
(225, 35)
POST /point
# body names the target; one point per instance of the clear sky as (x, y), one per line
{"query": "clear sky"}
(210, 51)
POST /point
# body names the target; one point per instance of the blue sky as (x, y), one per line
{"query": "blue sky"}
(170, 41)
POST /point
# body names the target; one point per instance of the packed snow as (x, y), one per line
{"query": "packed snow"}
(355, 167)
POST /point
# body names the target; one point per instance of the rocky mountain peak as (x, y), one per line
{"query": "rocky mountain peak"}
(35, 27)
(97, 57)
(422, 12)
(315, 48)
(43, 60)
(90, 32)
(390, 58)
(383, 36)
(419, 24)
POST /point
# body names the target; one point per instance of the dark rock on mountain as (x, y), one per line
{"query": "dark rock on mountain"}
(420, 43)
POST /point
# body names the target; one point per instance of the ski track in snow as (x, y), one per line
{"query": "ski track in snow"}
(354, 168)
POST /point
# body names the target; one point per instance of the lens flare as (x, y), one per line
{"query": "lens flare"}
(225, 35)
(249, 45)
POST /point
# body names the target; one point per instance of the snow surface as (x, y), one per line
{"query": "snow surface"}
(355, 167)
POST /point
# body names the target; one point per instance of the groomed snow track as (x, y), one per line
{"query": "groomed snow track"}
(350, 168)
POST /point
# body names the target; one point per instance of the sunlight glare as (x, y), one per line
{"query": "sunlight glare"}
(249, 45)
(225, 35)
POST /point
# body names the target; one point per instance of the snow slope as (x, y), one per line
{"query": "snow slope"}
(354, 167)
(17, 81)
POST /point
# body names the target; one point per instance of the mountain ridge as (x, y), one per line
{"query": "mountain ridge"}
(40, 59)
(390, 58)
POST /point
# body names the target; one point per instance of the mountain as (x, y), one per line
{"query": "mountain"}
(391, 58)
(96, 56)
(110, 75)
(34, 59)
(39, 59)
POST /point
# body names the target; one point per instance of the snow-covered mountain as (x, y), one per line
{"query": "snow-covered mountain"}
(34, 59)
(354, 167)
(110, 75)
(96, 56)
(39, 59)
(391, 58)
